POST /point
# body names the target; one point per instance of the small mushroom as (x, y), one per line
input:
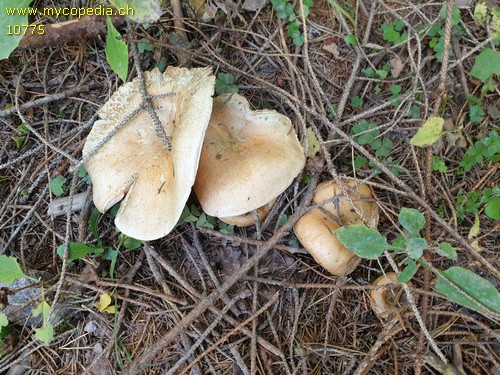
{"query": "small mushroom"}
(384, 299)
(135, 165)
(316, 229)
(341, 208)
(248, 219)
(248, 158)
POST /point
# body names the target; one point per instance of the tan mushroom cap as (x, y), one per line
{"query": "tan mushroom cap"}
(135, 163)
(248, 219)
(384, 300)
(361, 195)
(314, 230)
(248, 158)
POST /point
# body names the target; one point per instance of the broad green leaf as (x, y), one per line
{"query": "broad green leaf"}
(9, 269)
(131, 243)
(487, 63)
(78, 250)
(46, 333)
(410, 270)
(356, 102)
(415, 247)
(412, 220)
(10, 19)
(56, 185)
(446, 250)
(492, 209)
(475, 229)
(116, 51)
(140, 11)
(351, 39)
(475, 286)
(313, 143)
(4, 322)
(428, 133)
(363, 241)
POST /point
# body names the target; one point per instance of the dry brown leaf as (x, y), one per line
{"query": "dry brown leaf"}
(396, 66)
(333, 49)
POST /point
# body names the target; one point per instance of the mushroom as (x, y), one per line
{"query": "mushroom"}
(135, 164)
(248, 219)
(316, 229)
(384, 299)
(341, 208)
(248, 158)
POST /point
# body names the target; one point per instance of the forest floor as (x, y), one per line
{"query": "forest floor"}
(212, 299)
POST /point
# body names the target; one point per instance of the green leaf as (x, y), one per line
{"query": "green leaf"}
(487, 63)
(476, 113)
(46, 333)
(478, 288)
(224, 84)
(363, 241)
(412, 220)
(19, 139)
(480, 12)
(111, 255)
(415, 247)
(438, 164)
(409, 271)
(77, 250)
(9, 269)
(395, 91)
(356, 102)
(8, 22)
(94, 219)
(4, 322)
(56, 185)
(116, 51)
(313, 143)
(492, 209)
(351, 39)
(475, 229)
(131, 243)
(446, 250)
(429, 132)
(145, 45)
(140, 11)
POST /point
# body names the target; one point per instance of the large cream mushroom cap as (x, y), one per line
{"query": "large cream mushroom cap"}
(248, 158)
(135, 163)
(341, 208)
(315, 231)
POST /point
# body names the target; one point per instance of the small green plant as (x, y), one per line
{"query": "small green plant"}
(57, 185)
(487, 148)
(285, 11)
(193, 214)
(224, 84)
(438, 164)
(19, 139)
(436, 32)
(366, 133)
(486, 65)
(11, 271)
(393, 32)
(458, 284)
(471, 203)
